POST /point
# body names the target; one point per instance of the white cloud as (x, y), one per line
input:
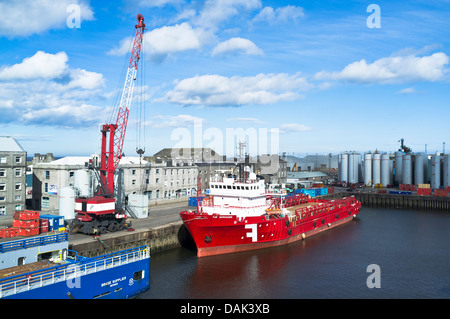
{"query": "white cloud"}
(72, 115)
(85, 79)
(166, 40)
(282, 14)
(245, 120)
(294, 127)
(215, 12)
(26, 17)
(396, 69)
(216, 90)
(44, 90)
(41, 65)
(181, 120)
(407, 91)
(237, 44)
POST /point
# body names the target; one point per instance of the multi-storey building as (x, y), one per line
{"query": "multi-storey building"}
(13, 162)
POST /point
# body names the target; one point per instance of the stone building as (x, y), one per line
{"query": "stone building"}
(13, 162)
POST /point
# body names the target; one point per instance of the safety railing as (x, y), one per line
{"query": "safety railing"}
(33, 242)
(70, 271)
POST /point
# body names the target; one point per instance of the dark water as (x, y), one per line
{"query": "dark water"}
(411, 248)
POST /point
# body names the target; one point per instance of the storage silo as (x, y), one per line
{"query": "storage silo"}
(344, 167)
(398, 168)
(391, 171)
(83, 183)
(354, 164)
(376, 168)
(435, 171)
(418, 168)
(351, 160)
(386, 170)
(67, 203)
(368, 169)
(406, 169)
(446, 171)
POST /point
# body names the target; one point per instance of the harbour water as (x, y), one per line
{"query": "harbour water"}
(410, 249)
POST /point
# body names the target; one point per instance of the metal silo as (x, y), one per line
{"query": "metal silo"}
(351, 172)
(354, 166)
(446, 171)
(368, 169)
(398, 168)
(391, 171)
(386, 170)
(344, 167)
(435, 171)
(406, 169)
(376, 169)
(418, 168)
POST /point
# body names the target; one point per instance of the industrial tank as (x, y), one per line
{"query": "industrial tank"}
(386, 170)
(435, 171)
(67, 203)
(406, 169)
(354, 165)
(83, 183)
(446, 171)
(398, 168)
(418, 168)
(376, 169)
(344, 167)
(368, 169)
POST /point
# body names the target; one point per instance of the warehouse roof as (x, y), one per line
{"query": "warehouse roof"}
(304, 174)
(9, 144)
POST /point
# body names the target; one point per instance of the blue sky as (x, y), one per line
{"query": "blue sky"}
(300, 77)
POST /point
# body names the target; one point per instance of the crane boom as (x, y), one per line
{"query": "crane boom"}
(110, 157)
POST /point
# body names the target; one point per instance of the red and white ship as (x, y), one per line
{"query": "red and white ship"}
(240, 215)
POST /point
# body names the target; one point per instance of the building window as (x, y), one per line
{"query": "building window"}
(2, 172)
(147, 171)
(45, 187)
(18, 207)
(157, 193)
(157, 171)
(157, 181)
(47, 174)
(17, 197)
(133, 172)
(45, 202)
(18, 186)
(133, 182)
(2, 210)
(2, 186)
(18, 159)
(18, 172)
(71, 174)
(3, 160)
(2, 199)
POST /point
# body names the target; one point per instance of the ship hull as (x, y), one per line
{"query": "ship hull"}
(223, 234)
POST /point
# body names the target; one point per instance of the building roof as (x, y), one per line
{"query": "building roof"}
(80, 160)
(9, 144)
(304, 174)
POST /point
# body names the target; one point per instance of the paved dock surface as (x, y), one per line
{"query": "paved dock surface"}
(159, 215)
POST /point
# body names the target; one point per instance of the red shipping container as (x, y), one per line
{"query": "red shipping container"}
(440, 192)
(26, 215)
(427, 191)
(43, 225)
(28, 232)
(413, 187)
(26, 223)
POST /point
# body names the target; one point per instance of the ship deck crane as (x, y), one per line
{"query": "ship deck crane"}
(98, 214)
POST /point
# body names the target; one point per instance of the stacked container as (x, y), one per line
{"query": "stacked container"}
(26, 222)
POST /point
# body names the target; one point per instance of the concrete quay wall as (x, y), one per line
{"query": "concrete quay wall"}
(158, 239)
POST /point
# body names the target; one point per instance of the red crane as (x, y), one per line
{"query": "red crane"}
(98, 214)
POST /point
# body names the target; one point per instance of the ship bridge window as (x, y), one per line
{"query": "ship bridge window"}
(138, 275)
(234, 187)
(246, 187)
(228, 187)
